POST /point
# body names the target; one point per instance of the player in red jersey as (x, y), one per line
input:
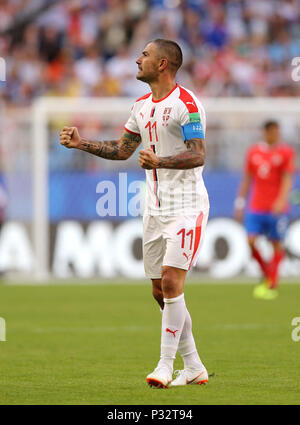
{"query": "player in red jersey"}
(268, 173)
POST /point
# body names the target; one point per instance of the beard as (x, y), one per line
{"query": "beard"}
(147, 78)
(143, 79)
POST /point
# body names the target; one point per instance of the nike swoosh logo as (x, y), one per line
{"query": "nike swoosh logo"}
(190, 382)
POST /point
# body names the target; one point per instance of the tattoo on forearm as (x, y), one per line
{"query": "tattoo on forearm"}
(113, 149)
(193, 157)
(91, 147)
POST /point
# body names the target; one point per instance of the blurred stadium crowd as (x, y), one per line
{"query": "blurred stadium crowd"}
(89, 47)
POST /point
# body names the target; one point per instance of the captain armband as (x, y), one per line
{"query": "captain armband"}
(192, 130)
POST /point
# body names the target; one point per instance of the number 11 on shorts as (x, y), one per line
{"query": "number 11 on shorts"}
(189, 234)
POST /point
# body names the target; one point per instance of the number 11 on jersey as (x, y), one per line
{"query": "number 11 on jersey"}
(152, 127)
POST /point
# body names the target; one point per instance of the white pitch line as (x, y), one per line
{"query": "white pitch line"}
(98, 329)
(245, 326)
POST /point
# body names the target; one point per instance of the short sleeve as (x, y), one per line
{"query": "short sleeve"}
(288, 165)
(131, 124)
(192, 119)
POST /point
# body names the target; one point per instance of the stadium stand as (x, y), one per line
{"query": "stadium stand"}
(89, 47)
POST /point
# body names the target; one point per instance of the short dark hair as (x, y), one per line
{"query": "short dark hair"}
(269, 124)
(171, 51)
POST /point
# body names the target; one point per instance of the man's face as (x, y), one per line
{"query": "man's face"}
(148, 64)
(272, 134)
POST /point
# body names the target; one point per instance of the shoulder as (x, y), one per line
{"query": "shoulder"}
(143, 97)
(259, 146)
(254, 149)
(189, 100)
(287, 149)
(140, 102)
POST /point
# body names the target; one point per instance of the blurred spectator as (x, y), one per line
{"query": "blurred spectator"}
(3, 206)
(89, 47)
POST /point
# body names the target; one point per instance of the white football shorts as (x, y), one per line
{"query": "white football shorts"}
(172, 241)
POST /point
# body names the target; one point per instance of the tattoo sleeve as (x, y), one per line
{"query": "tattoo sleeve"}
(193, 157)
(112, 149)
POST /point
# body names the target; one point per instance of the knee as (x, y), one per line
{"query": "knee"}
(157, 294)
(168, 284)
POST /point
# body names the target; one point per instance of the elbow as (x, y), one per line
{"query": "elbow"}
(201, 160)
(197, 162)
(124, 155)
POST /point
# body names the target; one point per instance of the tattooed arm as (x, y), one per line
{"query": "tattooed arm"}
(112, 149)
(193, 157)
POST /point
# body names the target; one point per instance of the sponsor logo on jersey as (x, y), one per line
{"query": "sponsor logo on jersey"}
(152, 112)
(190, 103)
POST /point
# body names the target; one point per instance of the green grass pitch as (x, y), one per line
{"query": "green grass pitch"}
(95, 344)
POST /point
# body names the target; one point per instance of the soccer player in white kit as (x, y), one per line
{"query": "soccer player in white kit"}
(170, 122)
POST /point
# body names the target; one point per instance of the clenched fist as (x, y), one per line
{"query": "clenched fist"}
(148, 159)
(69, 137)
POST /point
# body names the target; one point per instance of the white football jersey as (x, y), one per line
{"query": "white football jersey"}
(159, 123)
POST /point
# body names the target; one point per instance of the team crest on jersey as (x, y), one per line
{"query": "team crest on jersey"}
(166, 116)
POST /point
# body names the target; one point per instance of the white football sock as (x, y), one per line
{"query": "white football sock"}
(173, 318)
(187, 347)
